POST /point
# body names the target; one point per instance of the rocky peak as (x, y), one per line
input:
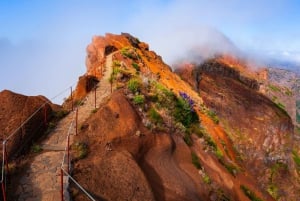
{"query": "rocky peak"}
(225, 66)
(102, 46)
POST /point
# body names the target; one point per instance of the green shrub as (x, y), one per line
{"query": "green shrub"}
(210, 142)
(273, 191)
(280, 105)
(206, 179)
(183, 113)
(219, 153)
(213, 116)
(138, 99)
(250, 194)
(116, 63)
(60, 114)
(36, 148)
(296, 158)
(111, 78)
(125, 51)
(197, 130)
(154, 116)
(134, 85)
(288, 92)
(136, 66)
(195, 161)
(83, 126)
(221, 195)
(80, 150)
(165, 98)
(187, 139)
(78, 103)
(116, 70)
(51, 125)
(274, 88)
(94, 110)
(229, 167)
(174, 106)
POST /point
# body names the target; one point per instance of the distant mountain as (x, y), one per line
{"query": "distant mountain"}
(285, 64)
(284, 85)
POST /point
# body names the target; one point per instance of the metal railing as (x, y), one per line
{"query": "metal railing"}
(66, 172)
(5, 164)
(5, 157)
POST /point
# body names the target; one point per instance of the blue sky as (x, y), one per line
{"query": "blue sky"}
(42, 43)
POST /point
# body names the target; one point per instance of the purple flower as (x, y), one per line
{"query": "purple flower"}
(188, 100)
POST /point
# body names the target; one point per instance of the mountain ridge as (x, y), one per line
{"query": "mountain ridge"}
(206, 132)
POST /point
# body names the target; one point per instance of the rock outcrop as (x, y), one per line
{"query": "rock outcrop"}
(103, 46)
(159, 154)
(17, 108)
(261, 131)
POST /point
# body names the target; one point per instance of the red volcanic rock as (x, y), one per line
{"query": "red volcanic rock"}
(14, 110)
(85, 84)
(129, 159)
(258, 128)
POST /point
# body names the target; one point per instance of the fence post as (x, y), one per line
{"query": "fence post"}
(5, 157)
(76, 122)
(68, 154)
(62, 184)
(72, 104)
(95, 97)
(3, 191)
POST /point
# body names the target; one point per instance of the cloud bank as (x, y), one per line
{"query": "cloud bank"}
(42, 49)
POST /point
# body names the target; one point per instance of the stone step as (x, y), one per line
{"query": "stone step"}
(49, 147)
(44, 172)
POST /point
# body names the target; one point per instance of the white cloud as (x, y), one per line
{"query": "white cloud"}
(46, 55)
(182, 25)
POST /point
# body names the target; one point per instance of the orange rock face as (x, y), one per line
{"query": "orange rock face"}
(101, 47)
(160, 162)
(260, 129)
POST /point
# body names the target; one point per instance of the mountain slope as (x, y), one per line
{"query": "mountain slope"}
(206, 132)
(156, 127)
(261, 131)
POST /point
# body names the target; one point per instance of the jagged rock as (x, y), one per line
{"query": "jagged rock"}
(261, 129)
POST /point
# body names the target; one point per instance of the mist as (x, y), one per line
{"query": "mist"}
(198, 30)
(43, 47)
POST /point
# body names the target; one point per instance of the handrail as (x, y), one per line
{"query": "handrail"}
(36, 111)
(4, 155)
(66, 151)
(3, 160)
(68, 135)
(81, 188)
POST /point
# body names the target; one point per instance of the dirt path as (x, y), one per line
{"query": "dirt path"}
(41, 179)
